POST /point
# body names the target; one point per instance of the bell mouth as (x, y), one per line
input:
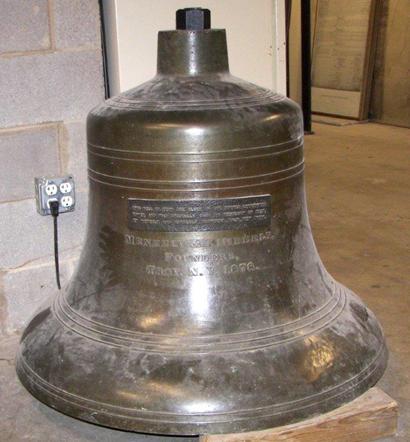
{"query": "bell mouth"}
(106, 378)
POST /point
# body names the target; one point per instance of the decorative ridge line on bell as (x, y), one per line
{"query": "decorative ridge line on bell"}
(250, 340)
(200, 304)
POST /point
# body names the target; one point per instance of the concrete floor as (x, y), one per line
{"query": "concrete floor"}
(358, 185)
(358, 188)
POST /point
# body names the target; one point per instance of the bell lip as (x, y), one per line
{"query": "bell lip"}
(220, 423)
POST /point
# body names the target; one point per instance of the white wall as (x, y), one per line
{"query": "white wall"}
(255, 29)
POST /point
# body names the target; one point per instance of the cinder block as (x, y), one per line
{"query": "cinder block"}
(27, 288)
(24, 25)
(26, 236)
(77, 23)
(25, 154)
(74, 152)
(50, 87)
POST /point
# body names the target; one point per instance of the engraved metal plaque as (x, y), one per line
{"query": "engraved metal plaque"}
(199, 215)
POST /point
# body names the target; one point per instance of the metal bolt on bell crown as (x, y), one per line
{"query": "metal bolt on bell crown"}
(200, 304)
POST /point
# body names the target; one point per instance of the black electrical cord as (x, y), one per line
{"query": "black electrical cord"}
(54, 209)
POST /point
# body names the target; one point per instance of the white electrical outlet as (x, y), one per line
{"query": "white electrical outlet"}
(51, 189)
(59, 189)
(65, 187)
(67, 201)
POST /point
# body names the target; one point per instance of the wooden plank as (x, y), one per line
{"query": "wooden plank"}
(390, 97)
(340, 44)
(335, 102)
(371, 416)
(295, 54)
(342, 60)
(336, 121)
(369, 61)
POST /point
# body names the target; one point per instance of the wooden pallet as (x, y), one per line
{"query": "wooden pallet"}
(371, 416)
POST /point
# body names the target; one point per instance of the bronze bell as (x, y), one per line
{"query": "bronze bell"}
(200, 304)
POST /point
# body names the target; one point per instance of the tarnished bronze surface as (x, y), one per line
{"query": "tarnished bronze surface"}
(200, 303)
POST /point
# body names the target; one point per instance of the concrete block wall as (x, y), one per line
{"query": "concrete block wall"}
(50, 77)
